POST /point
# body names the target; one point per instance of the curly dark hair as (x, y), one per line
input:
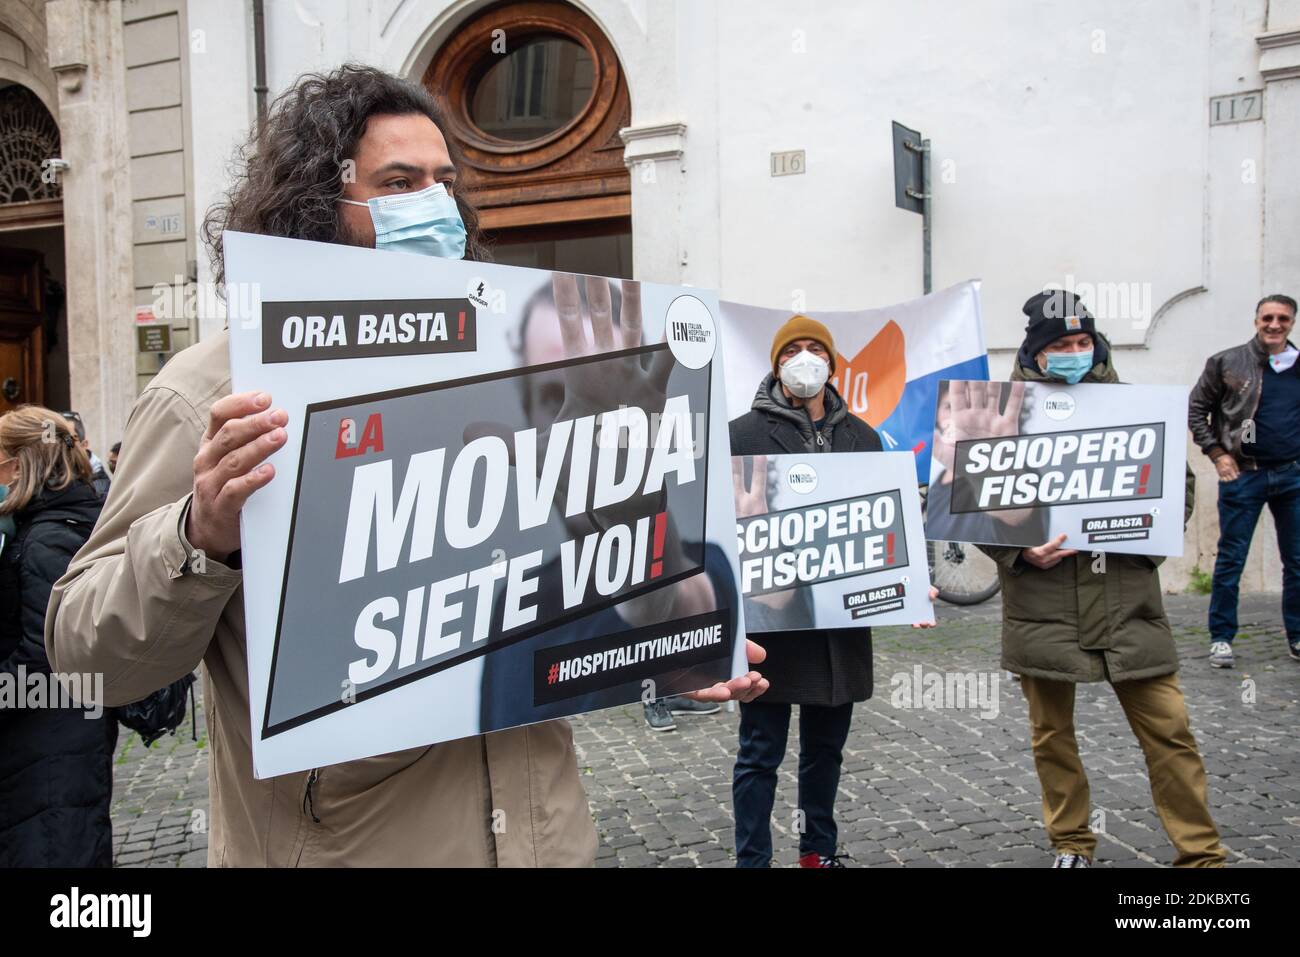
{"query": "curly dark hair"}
(288, 176)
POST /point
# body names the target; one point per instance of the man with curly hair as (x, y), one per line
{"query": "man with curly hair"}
(135, 606)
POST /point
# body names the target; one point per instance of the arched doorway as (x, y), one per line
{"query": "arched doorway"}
(535, 94)
(33, 325)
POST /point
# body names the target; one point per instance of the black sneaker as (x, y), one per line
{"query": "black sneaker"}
(1071, 860)
(679, 705)
(658, 717)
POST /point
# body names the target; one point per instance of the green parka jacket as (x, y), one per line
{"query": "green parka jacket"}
(1083, 620)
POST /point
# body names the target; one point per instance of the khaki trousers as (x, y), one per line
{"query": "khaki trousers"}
(1158, 716)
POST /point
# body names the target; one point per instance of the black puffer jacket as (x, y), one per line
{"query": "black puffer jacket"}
(826, 667)
(56, 775)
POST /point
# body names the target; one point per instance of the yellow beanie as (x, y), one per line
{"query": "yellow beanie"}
(801, 327)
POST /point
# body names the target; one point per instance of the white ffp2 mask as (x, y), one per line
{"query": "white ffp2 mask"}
(805, 374)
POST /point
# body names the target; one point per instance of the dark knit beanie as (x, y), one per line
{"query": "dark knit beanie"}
(1053, 314)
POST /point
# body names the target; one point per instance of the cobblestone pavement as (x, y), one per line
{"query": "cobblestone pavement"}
(919, 788)
(160, 797)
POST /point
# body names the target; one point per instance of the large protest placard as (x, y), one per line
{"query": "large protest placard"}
(830, 541)
(888, 365)
(494, 507)
(1019, 463)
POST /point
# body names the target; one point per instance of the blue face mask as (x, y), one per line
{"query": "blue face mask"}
(426, 223)
(1069, 366)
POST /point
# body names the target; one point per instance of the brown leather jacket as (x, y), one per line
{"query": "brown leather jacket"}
(1225, 398)
(128, 608)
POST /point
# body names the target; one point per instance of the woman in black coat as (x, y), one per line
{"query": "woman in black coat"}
(823, 671)
(56, 777)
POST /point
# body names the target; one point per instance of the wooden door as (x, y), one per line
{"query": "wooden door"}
(22, 338)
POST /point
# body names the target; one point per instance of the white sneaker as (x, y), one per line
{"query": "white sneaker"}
(1071, 860)
(1220, 654)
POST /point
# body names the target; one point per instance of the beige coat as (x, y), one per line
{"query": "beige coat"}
(128, 609)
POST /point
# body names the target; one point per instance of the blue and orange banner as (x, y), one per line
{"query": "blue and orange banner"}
(889, 361)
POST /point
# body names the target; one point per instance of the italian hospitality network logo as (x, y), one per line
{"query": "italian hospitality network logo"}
(801, 478)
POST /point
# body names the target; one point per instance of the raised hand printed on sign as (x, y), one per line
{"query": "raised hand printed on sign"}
(978, 411)
(751, 494)
(584, 317)
(633, 386)
(751, 500)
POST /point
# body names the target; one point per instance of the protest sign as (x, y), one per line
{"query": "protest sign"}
(830, 541)
(888, 365)
(494, 506)
(1019, 463)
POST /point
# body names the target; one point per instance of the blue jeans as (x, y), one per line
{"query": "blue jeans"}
(1240, 503)
(763, 732)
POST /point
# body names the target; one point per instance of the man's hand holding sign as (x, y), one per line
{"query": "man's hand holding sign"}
(1049, 554)
(243, 432)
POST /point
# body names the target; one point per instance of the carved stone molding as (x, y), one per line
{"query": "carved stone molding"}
(1279, 55)
(661, 141)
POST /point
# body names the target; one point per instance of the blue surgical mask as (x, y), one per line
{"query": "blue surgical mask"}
(1069, 366)
(426, 223)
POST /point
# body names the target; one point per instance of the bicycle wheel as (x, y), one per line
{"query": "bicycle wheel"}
(963, 574)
